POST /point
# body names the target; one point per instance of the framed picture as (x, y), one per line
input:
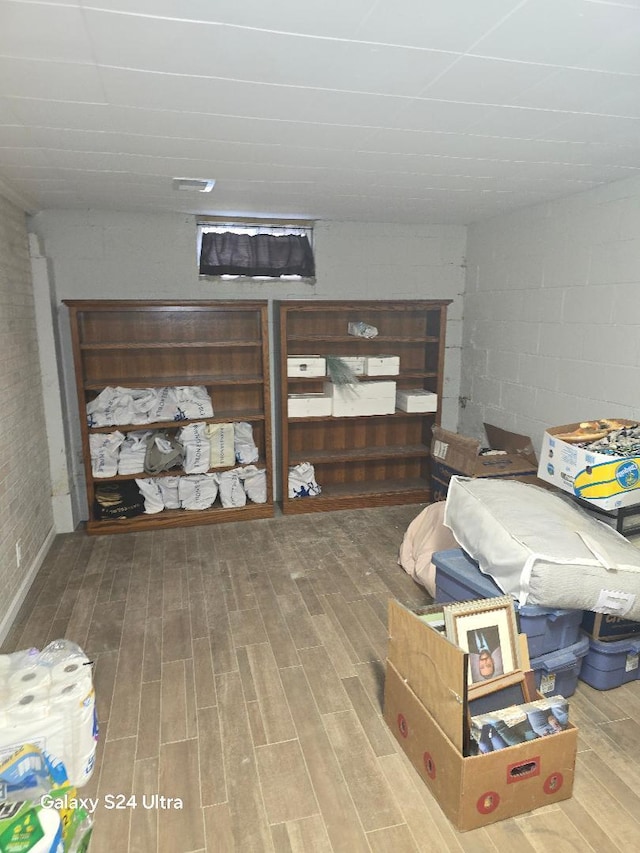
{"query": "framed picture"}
(487, 630)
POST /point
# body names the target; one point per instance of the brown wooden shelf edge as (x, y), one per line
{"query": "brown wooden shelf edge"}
(327, 502)
(179, 518)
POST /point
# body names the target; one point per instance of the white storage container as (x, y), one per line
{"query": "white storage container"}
(416, 400)
(382, 365)
(306, 365)
(363, 398)
(308, 405)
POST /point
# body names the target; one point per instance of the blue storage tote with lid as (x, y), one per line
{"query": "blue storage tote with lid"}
(557, 672)
(458, 578)
(611, 664)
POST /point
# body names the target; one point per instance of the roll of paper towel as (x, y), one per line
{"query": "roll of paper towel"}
(32, 678)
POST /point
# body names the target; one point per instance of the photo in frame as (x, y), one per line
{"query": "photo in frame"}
(487, 630)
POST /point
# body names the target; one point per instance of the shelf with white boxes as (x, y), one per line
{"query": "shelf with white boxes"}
(212, 360)
(360, 458)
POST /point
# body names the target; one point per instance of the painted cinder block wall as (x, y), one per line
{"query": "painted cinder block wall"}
(101, 255)
(26, 517)
(552, 314)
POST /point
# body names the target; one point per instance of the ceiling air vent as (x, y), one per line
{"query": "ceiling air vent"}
(197, 185)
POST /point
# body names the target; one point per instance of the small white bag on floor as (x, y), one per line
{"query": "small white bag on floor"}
(302, 481)
(255, 484)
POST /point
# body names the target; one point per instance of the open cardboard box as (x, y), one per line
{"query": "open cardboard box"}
(452, 453)
(427, 707)
(608, 482)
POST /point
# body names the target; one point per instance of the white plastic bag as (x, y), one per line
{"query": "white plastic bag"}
(302, 481)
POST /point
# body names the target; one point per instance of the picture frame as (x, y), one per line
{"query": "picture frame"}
(487, 630)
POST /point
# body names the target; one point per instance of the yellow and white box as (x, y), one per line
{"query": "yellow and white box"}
(363, 398)
(382, 365)
(309, 405)
(416, 400)
(306, 365)
(609, 482)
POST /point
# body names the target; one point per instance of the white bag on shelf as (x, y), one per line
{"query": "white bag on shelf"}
(302, 481)
(105, 448)
(244, 445)
(198, 491)
(232, 491)
(255, 484)
(152, 495)
(221, 445)
(196, 448)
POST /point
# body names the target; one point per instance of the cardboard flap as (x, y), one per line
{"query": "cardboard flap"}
(456, 451)
(434, 668)
(502, 439)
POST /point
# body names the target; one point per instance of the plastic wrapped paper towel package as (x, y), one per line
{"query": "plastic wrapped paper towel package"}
(542, 549)
(47, 699)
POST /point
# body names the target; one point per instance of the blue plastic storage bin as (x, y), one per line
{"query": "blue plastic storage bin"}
(611, 664)
(557, 672)
(458, 578)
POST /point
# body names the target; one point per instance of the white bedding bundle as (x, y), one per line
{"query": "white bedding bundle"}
(542, 549)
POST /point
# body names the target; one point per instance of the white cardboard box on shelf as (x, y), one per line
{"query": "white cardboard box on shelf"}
(382, 365)
(416, 400)
(355, 362)
(308, 405)
(363, 398)
(306, 365)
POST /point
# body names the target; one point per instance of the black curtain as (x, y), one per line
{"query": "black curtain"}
(257, 254)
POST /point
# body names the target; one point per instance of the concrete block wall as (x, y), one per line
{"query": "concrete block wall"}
(26, 520)
(552, 314)
(101, 255)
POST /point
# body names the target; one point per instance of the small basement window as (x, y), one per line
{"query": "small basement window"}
(256, 250)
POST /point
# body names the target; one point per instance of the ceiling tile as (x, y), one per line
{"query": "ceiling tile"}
(42, 31)
(28, 78)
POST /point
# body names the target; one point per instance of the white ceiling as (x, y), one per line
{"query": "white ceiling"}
(425, 111)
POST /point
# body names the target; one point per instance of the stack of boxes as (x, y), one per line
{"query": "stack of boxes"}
(608, 484)
(363, 397)
(557, 645)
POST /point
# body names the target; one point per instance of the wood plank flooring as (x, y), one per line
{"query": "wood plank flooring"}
(240, 668)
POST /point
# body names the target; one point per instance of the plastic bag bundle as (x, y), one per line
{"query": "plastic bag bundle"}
(47, 697)
(255, 484)
(197, 450)
(231, 489)
(150, 491)
(104, 448)
(302, 481)
(244, 445)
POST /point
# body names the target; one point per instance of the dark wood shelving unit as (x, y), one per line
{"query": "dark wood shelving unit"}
(370, 460)
(222, 345)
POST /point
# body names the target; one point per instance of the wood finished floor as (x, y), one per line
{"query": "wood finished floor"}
(240, 667)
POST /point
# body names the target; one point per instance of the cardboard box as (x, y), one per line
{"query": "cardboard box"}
(308, 405)
(416, 400)
(602, 626)
(608, 482)
(426, 707)
(306, 365)
(363, 398)
(382, 365)
(456, 454)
